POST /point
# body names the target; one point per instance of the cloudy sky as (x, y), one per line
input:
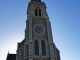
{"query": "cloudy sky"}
(65, 21)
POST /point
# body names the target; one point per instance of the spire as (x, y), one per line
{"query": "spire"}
(36, 0)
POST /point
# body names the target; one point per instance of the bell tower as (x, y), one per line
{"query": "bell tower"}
(38, 42)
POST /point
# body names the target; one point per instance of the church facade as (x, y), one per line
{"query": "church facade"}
(38, 42)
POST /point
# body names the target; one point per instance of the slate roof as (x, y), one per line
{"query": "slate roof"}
(11, 57)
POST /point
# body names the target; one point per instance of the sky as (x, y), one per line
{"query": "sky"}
(65, 22)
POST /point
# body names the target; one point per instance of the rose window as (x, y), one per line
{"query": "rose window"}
(39, 29)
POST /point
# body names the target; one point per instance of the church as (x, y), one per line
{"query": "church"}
(38, 42)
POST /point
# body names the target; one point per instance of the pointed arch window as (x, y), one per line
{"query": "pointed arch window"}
(36, 48)
(43, 47)
(37, 11)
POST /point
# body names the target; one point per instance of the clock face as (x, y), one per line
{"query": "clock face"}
(39, 29)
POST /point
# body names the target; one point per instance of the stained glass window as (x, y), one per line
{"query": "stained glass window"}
(36, 48)
(43, 48)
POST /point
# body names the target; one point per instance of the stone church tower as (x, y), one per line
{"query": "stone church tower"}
(38, 42)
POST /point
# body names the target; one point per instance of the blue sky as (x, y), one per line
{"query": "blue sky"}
(65, 21)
